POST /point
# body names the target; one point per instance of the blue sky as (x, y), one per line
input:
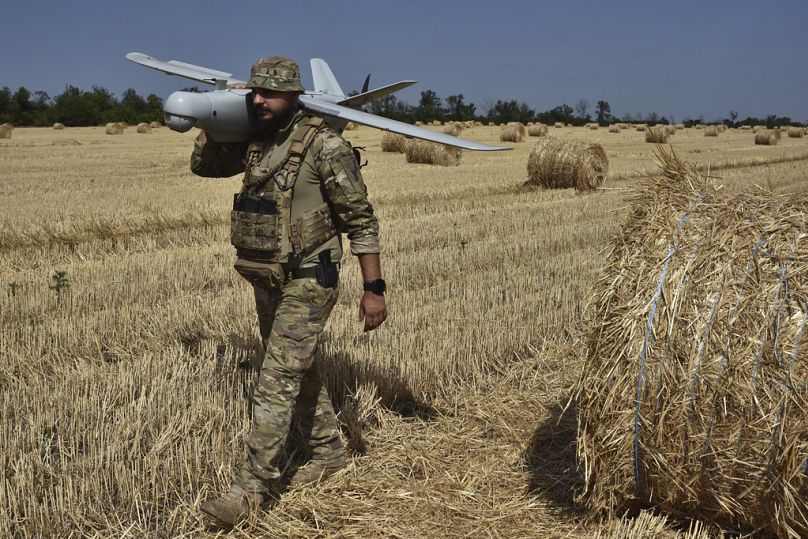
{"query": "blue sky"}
(674, 58)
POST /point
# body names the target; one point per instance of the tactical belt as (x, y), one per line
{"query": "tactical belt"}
(309, 272)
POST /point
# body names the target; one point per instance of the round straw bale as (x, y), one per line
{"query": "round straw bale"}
(429, 153)
(143, 128)
(766, 138)
(699, 126)
(558, 125)
(510, 133)
(694, 390)
(795, 132)
(746, 128)
(721, 128)
(122, 125)
(437, 122)
(58, 125)
(641, 127)
(614, 128)
(155, 125)
(711, 131)
(8, 126)
(453, 129)
(393, 142)
(758, 128)
(679, 126)
(113, 129)
(5, 132)
(671, 129)
(594, 126)
(556, 163)
(657, 134)
(539, 130)
(519, 127)
(776, 133)
(419, 123)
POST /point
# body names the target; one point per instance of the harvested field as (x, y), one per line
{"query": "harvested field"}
(709, 380)
(125, 393)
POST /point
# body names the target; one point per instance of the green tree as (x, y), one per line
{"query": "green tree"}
(603, 112)
(510, 111)
(429, 107)
(458, 110)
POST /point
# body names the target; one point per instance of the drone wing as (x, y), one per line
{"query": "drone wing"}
(320, 106)
(181, 69)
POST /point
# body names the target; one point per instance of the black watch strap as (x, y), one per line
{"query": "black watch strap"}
(377, 287)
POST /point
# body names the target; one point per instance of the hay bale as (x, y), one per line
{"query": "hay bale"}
(58, 126)
(419, 123)
(766, 138)
(614, 128)
(7, 125)
(695, 385)
(759, 128)
(539, 130)
(510, 133)
(558, 125)
(594, 126)
(143, 128)
(155, 125)
(699, 126)
(679, 127)
(453, 129)
(519, 127)
(429, 153)
(393, 142)
(556, 163)
(351, 126)
(5, 131)
(794, 132)
(721, 128)
(657, 134)
(113, 129)
(670, 129)
(641, 127)
(437, 122)
(746, 128)
(711, 131)
(122, 125)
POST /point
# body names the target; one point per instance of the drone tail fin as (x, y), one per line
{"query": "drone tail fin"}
(324, 79)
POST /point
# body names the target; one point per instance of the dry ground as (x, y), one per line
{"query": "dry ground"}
(125, 385)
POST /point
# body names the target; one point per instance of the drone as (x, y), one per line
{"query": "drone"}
(226, 113)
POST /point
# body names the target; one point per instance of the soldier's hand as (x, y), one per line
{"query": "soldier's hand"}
(372, 310)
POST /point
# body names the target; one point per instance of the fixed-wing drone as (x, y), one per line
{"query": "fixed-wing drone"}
(226, 113)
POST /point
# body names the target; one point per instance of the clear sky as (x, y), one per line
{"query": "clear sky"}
(671, 57)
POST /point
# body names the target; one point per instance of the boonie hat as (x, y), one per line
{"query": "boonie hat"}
(275, 73)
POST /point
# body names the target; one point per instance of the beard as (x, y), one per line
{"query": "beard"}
(268, 128)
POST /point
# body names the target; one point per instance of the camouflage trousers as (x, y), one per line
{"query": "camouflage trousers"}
(292, 412)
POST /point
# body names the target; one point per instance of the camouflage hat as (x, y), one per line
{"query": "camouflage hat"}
(275, 73)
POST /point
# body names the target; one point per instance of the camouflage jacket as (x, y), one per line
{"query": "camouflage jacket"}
(329, 173)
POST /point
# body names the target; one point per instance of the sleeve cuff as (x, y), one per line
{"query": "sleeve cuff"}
(365, 245)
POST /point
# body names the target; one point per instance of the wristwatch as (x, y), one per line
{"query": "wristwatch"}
(377, 287)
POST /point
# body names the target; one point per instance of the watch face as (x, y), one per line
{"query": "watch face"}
(377, 287)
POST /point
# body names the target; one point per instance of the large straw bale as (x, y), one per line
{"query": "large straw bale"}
(393, 142)
(670, 129)
(657, 134)
(766, 138)
(795, 132)
(155, 125)
(711, 131)
(143, 128)
(641, 127)
(5, 132)
(593, 126)
(519, 127)
(113, 129)
(614, 128)
(7, 125)
(558, 125)
(538, 130)
(429, 153)
(746, 128)
(58, 125)
(557, 163)
(694, 391)
(510, 133)
(122, 125)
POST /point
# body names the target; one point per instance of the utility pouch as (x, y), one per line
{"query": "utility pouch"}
(326, 271)
(267, 275)
(253, 223)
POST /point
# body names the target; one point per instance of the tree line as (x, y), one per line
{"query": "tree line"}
(76, 107)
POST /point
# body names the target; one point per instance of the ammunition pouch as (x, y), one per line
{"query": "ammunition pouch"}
(311, 229)
(267, 275)
(253, 223)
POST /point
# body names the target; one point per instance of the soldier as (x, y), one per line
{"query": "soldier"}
(302, 188)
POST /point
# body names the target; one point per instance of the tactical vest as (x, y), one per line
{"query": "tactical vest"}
(261, 224)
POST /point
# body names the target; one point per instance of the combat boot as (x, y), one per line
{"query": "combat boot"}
(233, 507)
(317, 469)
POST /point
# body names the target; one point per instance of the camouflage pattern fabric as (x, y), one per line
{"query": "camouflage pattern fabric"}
(275, 73)
(290, 403)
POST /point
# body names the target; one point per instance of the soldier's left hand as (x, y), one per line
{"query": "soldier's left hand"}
(372, 310)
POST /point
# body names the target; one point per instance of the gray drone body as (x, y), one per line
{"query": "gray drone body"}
(226, 114)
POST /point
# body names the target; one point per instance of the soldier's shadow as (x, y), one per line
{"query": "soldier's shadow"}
(551, 458)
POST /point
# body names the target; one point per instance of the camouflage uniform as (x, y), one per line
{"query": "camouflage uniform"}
(289, 397)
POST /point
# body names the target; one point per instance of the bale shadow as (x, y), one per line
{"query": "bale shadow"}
(551, 458)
